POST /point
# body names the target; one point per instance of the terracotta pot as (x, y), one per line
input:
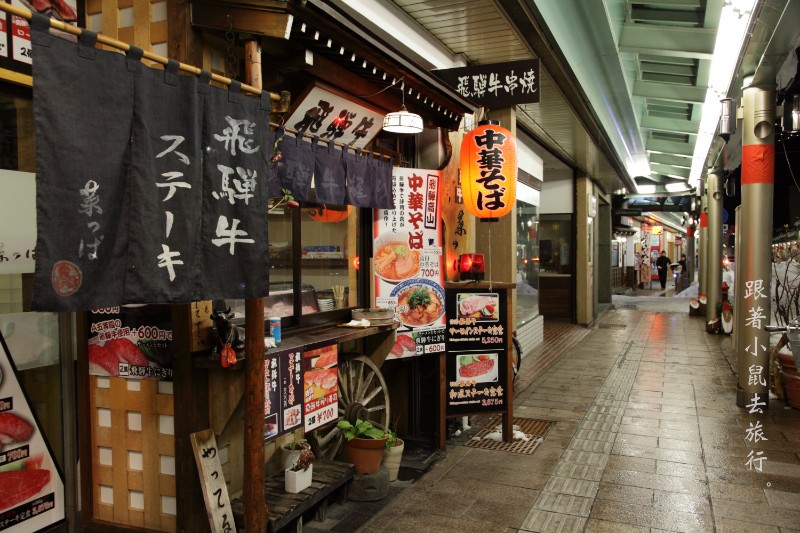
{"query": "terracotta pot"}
(791, 382)
(365, 454)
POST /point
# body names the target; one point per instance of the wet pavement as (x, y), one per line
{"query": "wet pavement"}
(647, 438)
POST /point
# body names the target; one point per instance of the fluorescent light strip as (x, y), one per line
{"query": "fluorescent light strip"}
(732, 28)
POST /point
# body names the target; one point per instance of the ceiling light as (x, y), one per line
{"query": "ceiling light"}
(676, 187)
(732, 29)
(646, 189)
(402, 121)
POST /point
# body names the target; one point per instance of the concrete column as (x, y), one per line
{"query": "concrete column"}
(497, 241)
(585, 251)
(603, 272)
(753, 260)
(714, 239)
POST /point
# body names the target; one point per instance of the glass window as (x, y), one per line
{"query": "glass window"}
(527, 262)
(555, 243)
(32, 339)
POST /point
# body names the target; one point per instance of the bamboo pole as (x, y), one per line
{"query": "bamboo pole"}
(255, 505)
(119, 45)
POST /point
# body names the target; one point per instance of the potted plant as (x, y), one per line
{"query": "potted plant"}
(298, 476)
(393, 454)
(290, 452)
(365, 445)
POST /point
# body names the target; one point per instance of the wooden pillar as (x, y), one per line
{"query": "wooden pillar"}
(255, 506)
(190, 385)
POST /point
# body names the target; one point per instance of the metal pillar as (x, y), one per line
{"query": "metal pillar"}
(714, 239)
(753, 260)
(703, 234)
(690, 231)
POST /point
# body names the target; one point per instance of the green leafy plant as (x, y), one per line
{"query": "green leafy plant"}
(286, 199)
(419, 298)
(295, 445)
(392, 438)
(363, 429)
(304, 461)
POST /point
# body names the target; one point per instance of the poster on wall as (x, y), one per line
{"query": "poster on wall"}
(15, 35)
(320, 386)
(408, 262)
(283, 403)
(31, 484)
(477, 351)
(131, 341)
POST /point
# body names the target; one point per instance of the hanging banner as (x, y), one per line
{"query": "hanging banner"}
(132, 341)
(31, 484)
(83, 149)
(409, 264)
(283, 403)
(477, 355)
(164, 243)
(15, 35)
(320, 386)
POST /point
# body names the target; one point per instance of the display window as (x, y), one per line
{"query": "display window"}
(527, 307)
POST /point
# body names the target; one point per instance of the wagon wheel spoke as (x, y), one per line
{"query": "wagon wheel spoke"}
(368, 398)
(344, 397)
(376, 408)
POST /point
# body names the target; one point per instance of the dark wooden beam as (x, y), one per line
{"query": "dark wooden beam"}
(190, 386)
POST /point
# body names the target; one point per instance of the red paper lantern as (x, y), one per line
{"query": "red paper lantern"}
(489, 170)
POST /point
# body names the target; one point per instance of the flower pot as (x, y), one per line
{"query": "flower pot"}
(365, 454)
(392, 457)
(298, 480)
(287, 456)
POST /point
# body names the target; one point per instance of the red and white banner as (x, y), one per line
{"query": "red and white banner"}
(408, 262)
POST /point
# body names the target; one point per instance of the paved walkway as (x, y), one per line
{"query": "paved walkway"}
(647, 439)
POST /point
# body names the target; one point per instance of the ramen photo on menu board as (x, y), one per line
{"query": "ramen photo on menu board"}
(394, 260)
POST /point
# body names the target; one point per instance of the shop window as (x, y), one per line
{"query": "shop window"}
(555, 243)
(31, 340)
(527, 262)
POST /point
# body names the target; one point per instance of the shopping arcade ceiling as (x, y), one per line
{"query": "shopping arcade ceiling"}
(641, 67)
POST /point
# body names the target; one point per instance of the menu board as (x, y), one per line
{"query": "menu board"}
(477, 351)
(320, 386)
(31, 485)
(283, 410)
(409, 264)
(131, 341)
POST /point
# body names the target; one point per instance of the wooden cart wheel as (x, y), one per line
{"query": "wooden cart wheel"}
(362, 394)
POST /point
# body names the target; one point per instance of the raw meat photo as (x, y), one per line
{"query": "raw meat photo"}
(102, 361)
(405, 346)
(480, 368)
(127, 351)
(14, 429)
(481, 307)
(18, 486)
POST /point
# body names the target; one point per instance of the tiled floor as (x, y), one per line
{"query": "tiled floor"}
(648, 438)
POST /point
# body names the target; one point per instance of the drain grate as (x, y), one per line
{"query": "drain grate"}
(612, 326)
(534, 429)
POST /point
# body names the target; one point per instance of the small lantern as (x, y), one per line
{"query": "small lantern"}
(489, 170)
(471, 267)
(323, 214)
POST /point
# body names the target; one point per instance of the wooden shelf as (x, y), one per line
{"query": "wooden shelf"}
(308, 340)
(312, 263)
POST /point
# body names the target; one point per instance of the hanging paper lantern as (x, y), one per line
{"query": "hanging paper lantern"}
(489, 170)
(323, 214)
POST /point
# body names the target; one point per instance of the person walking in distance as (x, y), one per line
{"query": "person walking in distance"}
(662, 264)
